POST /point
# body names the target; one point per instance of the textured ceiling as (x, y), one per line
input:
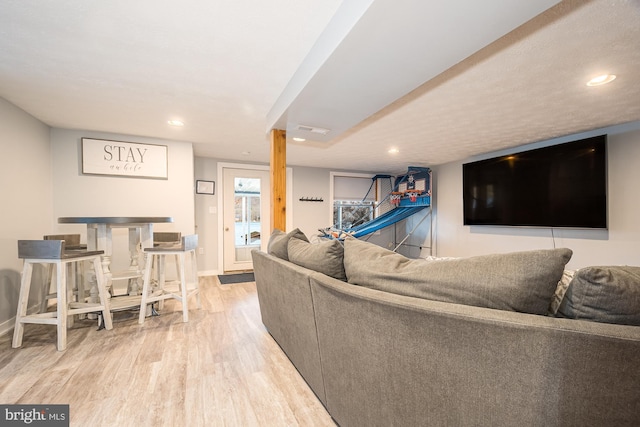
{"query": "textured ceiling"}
(127, 67)
(526, 87)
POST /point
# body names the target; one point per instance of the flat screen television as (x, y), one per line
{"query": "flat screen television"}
(562, 185)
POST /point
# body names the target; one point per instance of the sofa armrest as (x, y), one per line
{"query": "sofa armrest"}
(286, 307)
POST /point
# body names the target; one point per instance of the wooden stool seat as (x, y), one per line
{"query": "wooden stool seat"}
(52, 252)
(185, 249)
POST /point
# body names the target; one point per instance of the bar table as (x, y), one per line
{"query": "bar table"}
(99, 237)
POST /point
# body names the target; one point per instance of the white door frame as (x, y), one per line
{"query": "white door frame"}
(224, 165)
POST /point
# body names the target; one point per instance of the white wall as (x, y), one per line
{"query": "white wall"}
(25, 194)
(307, 216)
(206, 215)
(76, 194)
(310, 216)
(617, 245)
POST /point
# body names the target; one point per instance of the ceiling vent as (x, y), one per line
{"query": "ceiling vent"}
(312, 129)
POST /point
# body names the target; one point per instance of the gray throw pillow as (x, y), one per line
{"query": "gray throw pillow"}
(516, 281)
(279, 240)
(607, 294)
(326, 257)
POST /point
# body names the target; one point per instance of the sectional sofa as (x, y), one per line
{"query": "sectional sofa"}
(499, 340)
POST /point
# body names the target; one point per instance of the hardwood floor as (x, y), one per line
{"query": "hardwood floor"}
(221, 368)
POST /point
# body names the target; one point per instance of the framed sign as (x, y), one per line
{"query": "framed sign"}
(205, 187)
(104, 157)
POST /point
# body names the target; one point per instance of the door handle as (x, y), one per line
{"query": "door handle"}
(226, 229)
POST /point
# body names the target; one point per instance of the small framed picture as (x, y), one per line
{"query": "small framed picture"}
(205, 187)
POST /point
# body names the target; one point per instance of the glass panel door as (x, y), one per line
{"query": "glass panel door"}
(246, 215)
(247, 225)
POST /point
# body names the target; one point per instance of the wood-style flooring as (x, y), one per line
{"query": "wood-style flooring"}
(221, 368)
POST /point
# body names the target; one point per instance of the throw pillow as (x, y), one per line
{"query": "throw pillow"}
(558, 296)
(326, 257)
(279, 240)
(439, 258)
(607, 294)
(517, 281)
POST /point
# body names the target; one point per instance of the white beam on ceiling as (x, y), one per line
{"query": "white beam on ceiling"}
(374, 52)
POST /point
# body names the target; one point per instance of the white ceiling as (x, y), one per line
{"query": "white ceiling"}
(129, 66)
(376, 51)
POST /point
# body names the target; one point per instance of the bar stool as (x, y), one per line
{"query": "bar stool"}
(186, 249)
(52, 252)
(71, 242)
(164, 239)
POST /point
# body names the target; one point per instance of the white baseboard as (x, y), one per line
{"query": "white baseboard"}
(208, 273)
(8, 325)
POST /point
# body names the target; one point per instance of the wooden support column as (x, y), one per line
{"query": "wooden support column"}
(278, 179)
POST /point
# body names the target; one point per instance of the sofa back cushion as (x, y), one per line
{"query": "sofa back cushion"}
(279, 240)
(608, 294)
(326, 257)
(517, 281)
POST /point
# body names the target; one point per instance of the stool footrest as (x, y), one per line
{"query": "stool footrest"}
(49, 318)
(127, 274)
(79, 308)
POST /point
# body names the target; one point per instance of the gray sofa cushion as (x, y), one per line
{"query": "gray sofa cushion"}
(326, 257)
(517, 281)
(279, 241)
(608, 294)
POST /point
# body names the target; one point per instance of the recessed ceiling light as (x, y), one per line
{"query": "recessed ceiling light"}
(601, 80)
(295, 138)
(393, 151)
(178, 123)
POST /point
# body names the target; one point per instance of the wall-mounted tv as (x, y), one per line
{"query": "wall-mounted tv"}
(562, 185)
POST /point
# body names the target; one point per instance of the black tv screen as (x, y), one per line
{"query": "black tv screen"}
(558, 186)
